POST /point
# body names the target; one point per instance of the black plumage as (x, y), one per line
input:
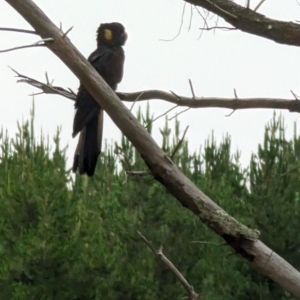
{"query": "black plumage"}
(108, 59)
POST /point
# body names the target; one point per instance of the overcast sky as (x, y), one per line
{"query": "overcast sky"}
(216, 63)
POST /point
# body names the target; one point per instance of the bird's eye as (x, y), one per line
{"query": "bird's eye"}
(108, 34)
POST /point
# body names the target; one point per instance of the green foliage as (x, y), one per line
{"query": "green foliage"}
(64, 238)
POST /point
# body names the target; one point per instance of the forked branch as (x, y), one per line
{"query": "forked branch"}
(159, 254)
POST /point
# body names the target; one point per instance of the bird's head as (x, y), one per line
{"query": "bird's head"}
(111, 34)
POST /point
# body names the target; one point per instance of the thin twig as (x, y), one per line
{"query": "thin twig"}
(259, 5)
(236, 97)
(161, 115)
(35, 44)
(126, 160)
(159, 254)
(204, 19)
(180, 142)
(180, 27)
(21, 47)
(181, 112)
(191, 18)
(178, 97)
(296, 96)
(137, 99)
(235, 94)
(218, 27)
(138, 173)
(204, 22)
(18, 30)
(66, 33)
(222, 10)
(230, 114)
(208, 243)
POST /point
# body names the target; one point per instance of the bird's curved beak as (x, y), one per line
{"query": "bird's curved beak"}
(124, 37)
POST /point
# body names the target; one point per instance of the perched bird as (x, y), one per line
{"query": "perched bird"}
(108, 59)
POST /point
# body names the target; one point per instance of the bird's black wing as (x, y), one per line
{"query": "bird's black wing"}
(85, 105)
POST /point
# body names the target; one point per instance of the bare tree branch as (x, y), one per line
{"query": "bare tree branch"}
(231, 103)
(252, 22)
(293, 105)
(47, 88)
(159, 254)
(241, 238)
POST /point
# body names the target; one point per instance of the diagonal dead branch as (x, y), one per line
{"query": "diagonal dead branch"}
(159, 254)
(252, 22)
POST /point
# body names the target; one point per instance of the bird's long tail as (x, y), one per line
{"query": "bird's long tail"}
(89, 146)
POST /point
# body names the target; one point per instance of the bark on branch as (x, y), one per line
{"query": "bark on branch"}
(252, 22)
(243, 239)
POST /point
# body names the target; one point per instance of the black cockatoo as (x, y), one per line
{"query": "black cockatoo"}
(108, 59)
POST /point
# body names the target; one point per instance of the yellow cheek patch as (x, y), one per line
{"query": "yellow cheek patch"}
(108, 34)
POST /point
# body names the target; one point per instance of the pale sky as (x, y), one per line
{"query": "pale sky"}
(216, 63)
